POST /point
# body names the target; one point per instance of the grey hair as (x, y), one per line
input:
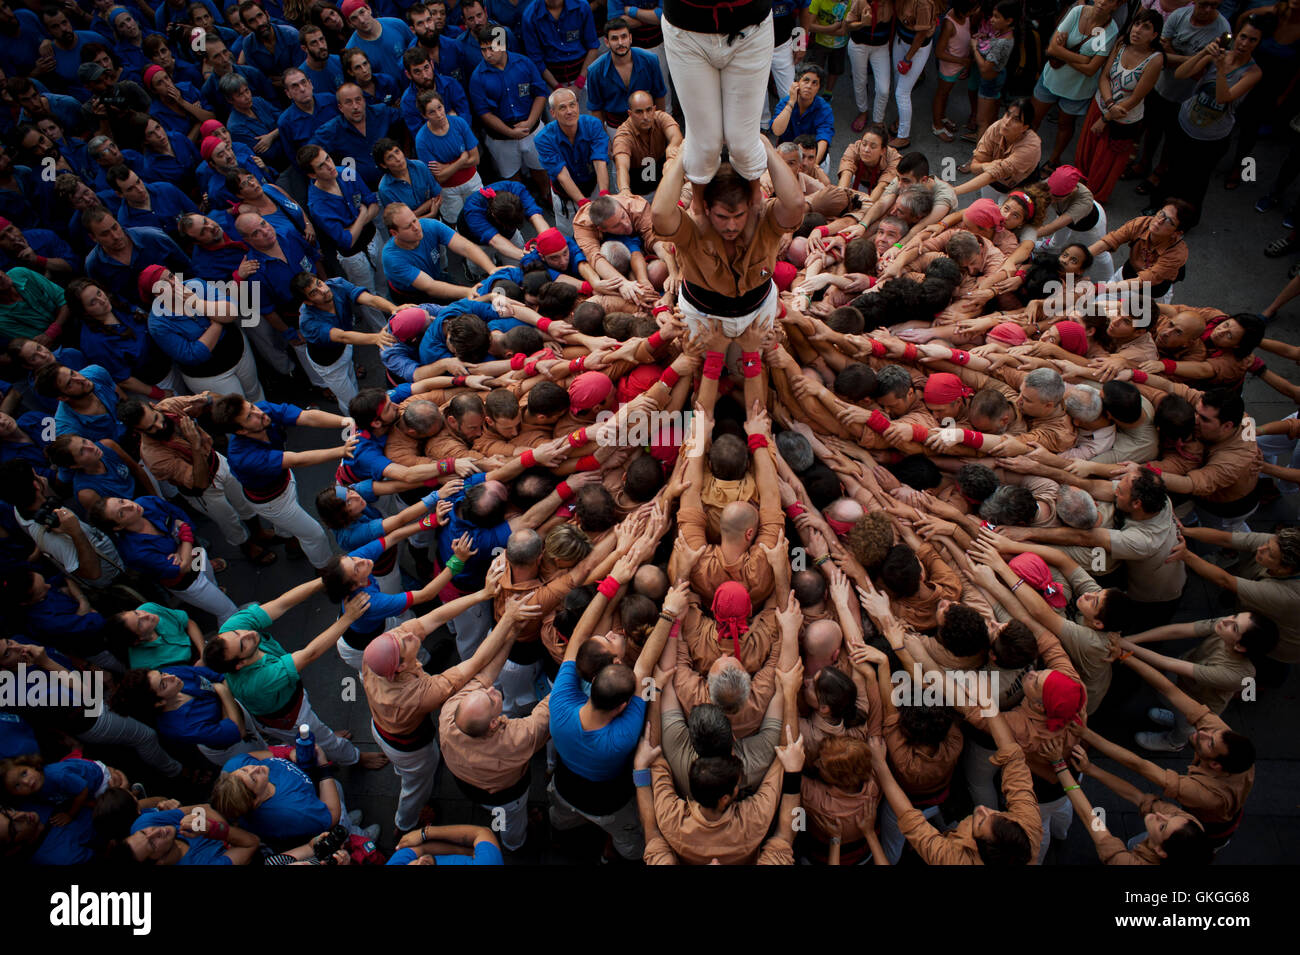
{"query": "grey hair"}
(553, 100)
(796, 450)
(1076, 508)
(1083, 403)
(231, 83)
(524, 547)
(729, 689)
(790, 148)
(1009, 504)
(602, 209)
(893, 380)
(962, 247)
(916, 200)
(421, 416)
(1047, 382)
(96, 145)
(617, 254)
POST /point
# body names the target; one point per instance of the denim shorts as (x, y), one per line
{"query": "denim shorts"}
(987, 89)
(1075, 107)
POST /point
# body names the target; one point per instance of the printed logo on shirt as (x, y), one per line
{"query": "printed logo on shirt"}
(77, 909)
(571, 36)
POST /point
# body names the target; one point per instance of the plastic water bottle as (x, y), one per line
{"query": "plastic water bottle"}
(305, 747)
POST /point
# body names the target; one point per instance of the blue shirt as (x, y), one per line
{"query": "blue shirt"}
(270, 62)
(453, 101)
(17, 738)
(403, 266)
(606, 90)
(433, 345)
(341, 139)
(120, 349)
(507, 93)
(819, 120)
(367, 526)
(275, 274)
(484, 539)
(386, 51)
(597, 755)
(294, 813)
(315, 324)
(508, 14)
(382, 606)
(415, 193)
(485, 853)
(548, 40)
(96, 426)
(178, 168)
(171, 120)
(149, 247)
(72, 844)
(327, 80)
(42, 242)
(55, 621)
(470, 53)
(474, 214)
(211, 89)
(200, 850)
(260, 464)
(430, 147)
(575, 256)
(116, 481)
(297, 128)
(166, 203)
(18, 52)
(151, 553)
(334, 214)
(248, 129)
(67, 779)
(557, 153)
(201, 720)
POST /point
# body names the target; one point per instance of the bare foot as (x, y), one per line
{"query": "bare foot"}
(373, 760)
(697, 201)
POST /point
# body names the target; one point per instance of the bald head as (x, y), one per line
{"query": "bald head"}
(846, 509)
(475, 714)
(524, 547)
(738, 518)
(650, 581)
(821, 645)
(640, 100)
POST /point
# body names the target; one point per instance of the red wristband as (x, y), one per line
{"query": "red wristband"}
(517, 361)
(588, 463)
(578, 438)
(878, 422)
(878, 349)
(960, 357)
(608, 587)
(660, 308)
(972, 439)
(713, 363)
(458, 381)
(670, 377)
(1020, 274)
(447, 466)
(1140, 376)
(919, 433)
(585, 288)
(757, 441)
(909, 352)
(844, 234)
(53, 330)
(794, 510)
(528, 458)
(1154, 470)
(566, 493)
(751, 363)
(582, 202)
(219, 831)
(530, 367)
(1170, 365)
(577, 364)
(825, 230)
(156, 393)
(545, 323)
(655, 341)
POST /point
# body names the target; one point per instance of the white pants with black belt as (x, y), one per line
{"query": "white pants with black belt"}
(764, 316)
(224, 503)
(340, 377)
(286, 516)
(335, 747)
(418, 770)
(240, 380)
(206, 595)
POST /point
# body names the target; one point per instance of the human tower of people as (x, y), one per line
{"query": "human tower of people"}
(777, 507)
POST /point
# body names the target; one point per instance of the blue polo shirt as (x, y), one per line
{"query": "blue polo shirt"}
(67, 778)
(200, 850)
(72, 844)
(176, 168)
(295, 813)
(484, 539)
(475, 217)
(247, 129)
(470, 53)
(334, 214)
(453, 101)
(589, 144)
(275, 274)
(218, 264)
(17, 738)
(270, 62)
(201, 720)
(434, 343)
(382, 606)
(459, 138)
(211, 89)
(290, 211)
(67, 62)
(150, 247)
(120, 349)
(818, 120)
(387, 92)
(171, 120)
(415, 193)
(220, 197)
(42, 242)
(385, 53)
(485, 853)
(55, 622)
(597, 755)
(18, 52)
(575, 256)
(548, 40)
(327, 80)
(116, 481)
(606, 90)
(341, 139)
(297, 128)
(403, 266)
(95, 427)
(178, 336)
(151, 553)
(166, 202)
(315, 324)
(259, 465)
(508, 14)
(507, 93)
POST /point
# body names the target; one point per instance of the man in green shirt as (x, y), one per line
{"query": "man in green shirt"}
(29, 304)
(264, 677)
(155, 636)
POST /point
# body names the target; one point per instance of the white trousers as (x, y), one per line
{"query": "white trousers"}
(224, 503)
(512, 154)
(782, 76)
(418, 771)
(764, 316)
(340, 377)
(510, 822)
(239, 380)
(728, 86)
(206, 595)
(904, 82)
(287, 517)
(871, 63)
(335, 747)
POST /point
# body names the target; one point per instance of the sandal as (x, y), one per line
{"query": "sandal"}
(860, 123)
(949, 124)
(942, 133)
(1146, 187)
(900, 143)
(257, 554)
(1280, 247)
(970, 136)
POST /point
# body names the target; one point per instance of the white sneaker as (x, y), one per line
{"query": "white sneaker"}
(1161, 717)
(354, 817)
(1159, 743)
